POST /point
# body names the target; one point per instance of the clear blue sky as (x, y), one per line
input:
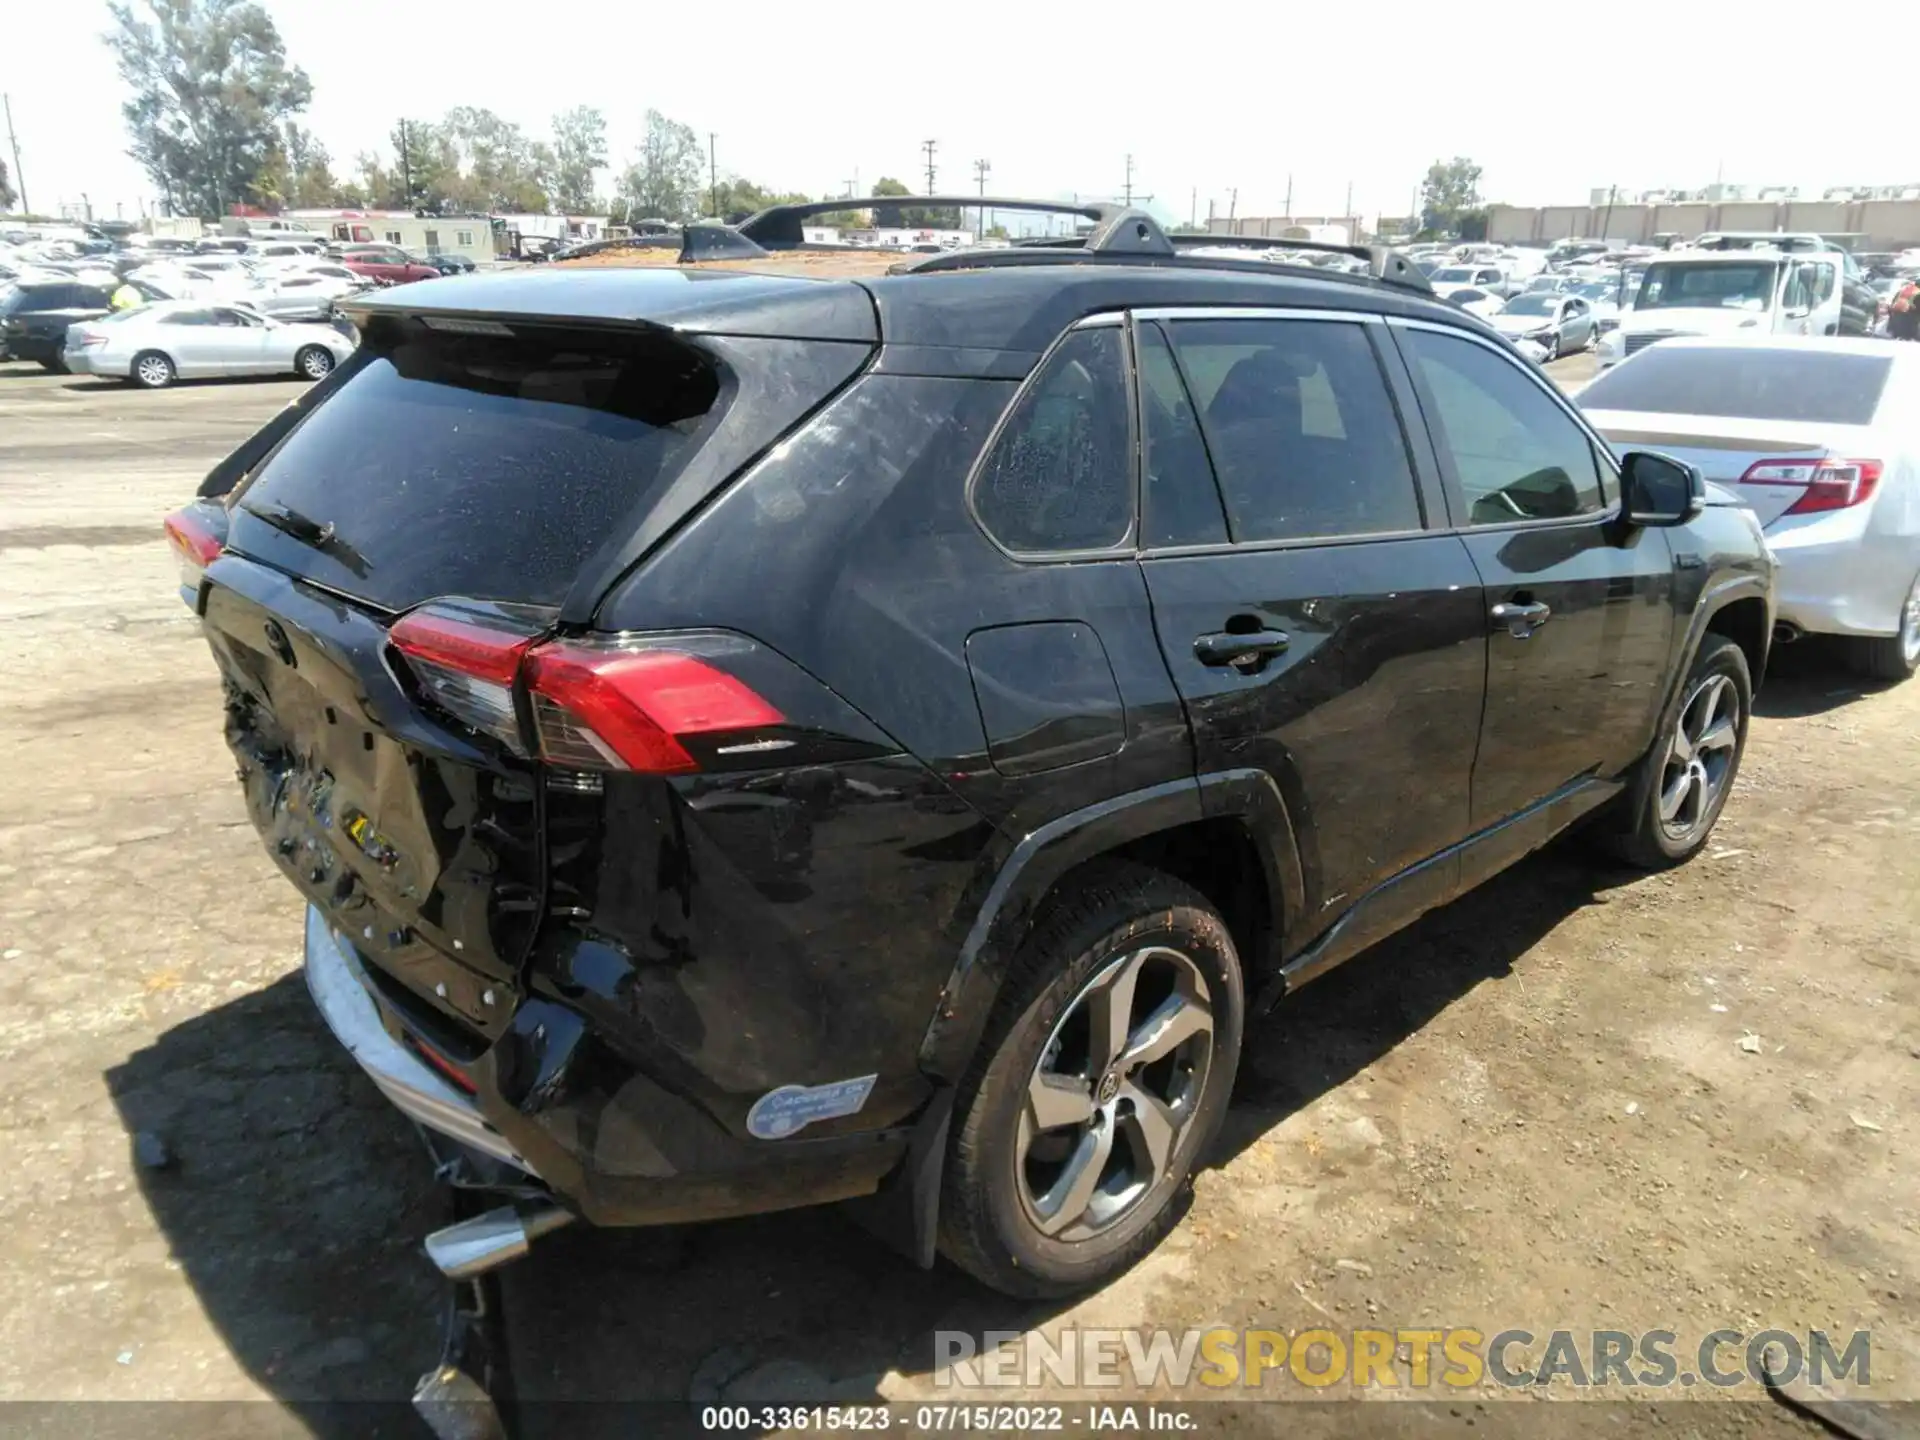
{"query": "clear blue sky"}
(1551, 101)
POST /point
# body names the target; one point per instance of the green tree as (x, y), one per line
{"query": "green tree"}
(888, 217)
(579, 151)
(1451, 190)
(210, 87)
(499, 167)
(664, 180)
(419, 175)
(7, 197)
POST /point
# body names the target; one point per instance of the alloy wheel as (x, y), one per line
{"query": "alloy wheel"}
(1114, 1093)
(154, 371)
(1699, 758)
(316, 364)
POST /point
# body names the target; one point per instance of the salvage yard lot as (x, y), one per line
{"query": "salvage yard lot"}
(1532, 1110)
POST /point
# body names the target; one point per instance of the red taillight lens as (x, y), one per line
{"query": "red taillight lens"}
(599, 708)
(1831, 483)
(194, 545)
(594, 707)
(465, 668)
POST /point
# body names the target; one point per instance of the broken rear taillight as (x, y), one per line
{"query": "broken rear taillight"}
(597, 708)
(615, 706)
(196, 534)
(466, 668)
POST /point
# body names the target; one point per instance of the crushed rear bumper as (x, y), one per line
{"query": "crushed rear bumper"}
(338, 985)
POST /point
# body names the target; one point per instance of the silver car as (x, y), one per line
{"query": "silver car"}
(154, 345)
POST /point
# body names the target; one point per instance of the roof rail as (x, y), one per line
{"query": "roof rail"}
(1118, 231)
(1383, 262)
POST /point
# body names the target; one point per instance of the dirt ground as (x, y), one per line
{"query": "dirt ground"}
(1534, 1109)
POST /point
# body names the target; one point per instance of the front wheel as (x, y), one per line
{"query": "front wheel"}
(152, 370)
(1103, 1075)
(314, 361)
(1897, 656)
(1687, 776)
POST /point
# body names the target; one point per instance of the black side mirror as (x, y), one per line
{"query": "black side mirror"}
(1659, 490)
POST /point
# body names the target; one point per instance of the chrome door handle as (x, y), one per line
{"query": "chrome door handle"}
(1521, 619)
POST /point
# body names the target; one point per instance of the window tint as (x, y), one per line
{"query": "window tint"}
(1518, 455)
(1302, 430)
(465, 465)
(1059, 476)
(1815, 386)
(187, 317)
(1181, 501)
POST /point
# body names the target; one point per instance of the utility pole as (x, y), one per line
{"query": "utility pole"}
(1289, 196)
(981, 169)
(1193, 209)
(713, 181)
(1127, 191)
(1233, 204)
(406, 165)
(929, 146)
(1606, 222)
(19, 176)
(1347, 214)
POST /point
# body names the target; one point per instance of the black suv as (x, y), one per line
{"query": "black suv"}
(34, 318)
(749, 741)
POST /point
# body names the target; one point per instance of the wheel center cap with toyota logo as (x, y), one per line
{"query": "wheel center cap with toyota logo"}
(1109, 1087)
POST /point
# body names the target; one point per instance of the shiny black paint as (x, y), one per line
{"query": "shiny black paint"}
(970, 727)
(1047, 696)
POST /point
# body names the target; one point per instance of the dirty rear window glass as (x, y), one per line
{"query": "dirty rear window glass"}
(477, 466)
(1817, 386)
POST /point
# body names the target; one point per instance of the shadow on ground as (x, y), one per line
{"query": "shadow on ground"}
(1812, 676)
(298, 1200)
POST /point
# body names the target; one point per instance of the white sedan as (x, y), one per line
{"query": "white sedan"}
(1820, 438)
(1470, 297)
(154, 345)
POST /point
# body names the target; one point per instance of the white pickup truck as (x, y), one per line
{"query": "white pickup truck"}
(1730, 293)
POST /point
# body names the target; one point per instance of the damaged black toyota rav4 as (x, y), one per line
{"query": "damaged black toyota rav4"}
(750, 741)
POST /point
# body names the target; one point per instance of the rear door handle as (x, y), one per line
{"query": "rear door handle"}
(1522, 618)
(1240, 651)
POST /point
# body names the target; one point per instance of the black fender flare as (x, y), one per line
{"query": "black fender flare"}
(1714, 597)
(1011, 890)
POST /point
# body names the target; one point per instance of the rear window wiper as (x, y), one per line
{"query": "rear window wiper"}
(308, 531)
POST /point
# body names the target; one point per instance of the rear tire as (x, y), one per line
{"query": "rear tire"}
(1892, 657)
(151, 370)
(1682, 785)
(1126, 952)
(314, 362)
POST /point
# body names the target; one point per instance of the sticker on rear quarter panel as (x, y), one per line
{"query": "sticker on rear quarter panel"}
(778, 1113)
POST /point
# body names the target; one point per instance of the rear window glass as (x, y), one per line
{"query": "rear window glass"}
(1813, 385)
(466, 465)
(1060, 477)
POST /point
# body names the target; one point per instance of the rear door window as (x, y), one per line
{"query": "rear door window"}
(476, 466)
(1180, 501)
(1301, 427)
(1060, 474)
